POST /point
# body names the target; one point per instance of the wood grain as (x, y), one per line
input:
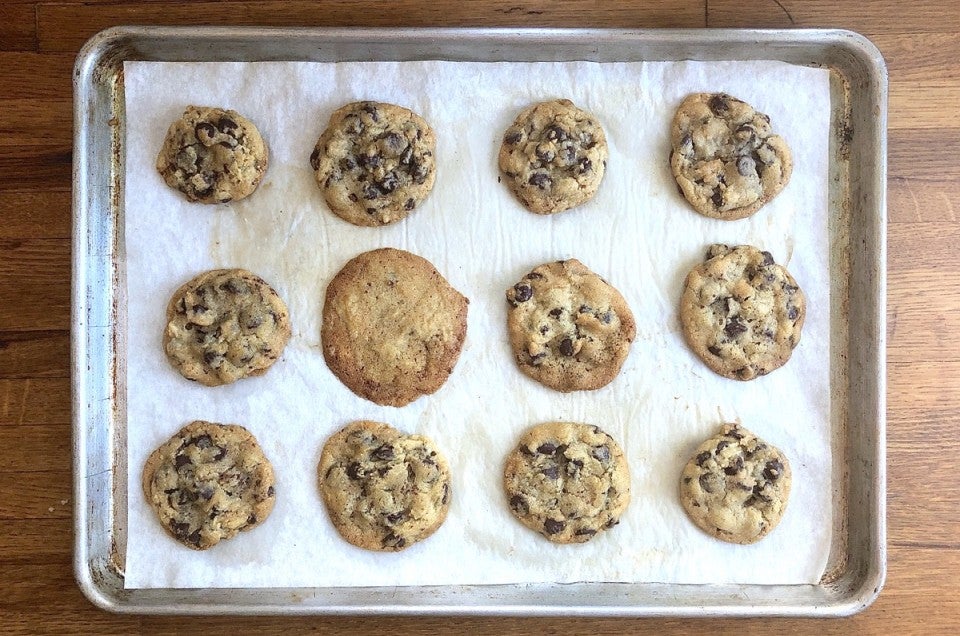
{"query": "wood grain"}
(38, 43)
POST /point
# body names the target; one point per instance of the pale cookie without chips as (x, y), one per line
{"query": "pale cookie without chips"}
(383, 490)
(375, 162)
(553, 156)
(741, 313)
(567, 481)
(725, 157)
(224, 325)
(213, 155)
(570, 330)
(736, 486)
(209, 482)
(392, 327)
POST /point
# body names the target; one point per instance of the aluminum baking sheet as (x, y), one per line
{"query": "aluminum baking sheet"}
(857, 234)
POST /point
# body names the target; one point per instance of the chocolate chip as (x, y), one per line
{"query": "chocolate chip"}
(566, 347)
(719, 104)
(253, 322)
(522, 293)
(228, 126)
(544, 329)
(348, 163)
(202, 441)
(703, 457)
(556, 312)
(512, 137)
(746, 129)
(715, 350)
(519, 504)
(546, 155)
(389, 183)
(686, 145)
(585, 165)
(551, 472)
(721, 445)
(446, 494)
(734, 327)
(393, 541)
(534, 276)
(180, 461)
(556, 133)
(234, 286)
(541, 180)
(384, 452)
(601, 453)
(746, 166)
(179, 529)
(735, 467)
(211, 357)
(221, 453)
(271, 491)
(370, 192)
(371, 109)
(547, 449)
(354, 471)
(553, 527)
(773, 470)
(584, 309)
(394, 517)
(205, 131)
(717, 198)
(585, 532)
(206, 493)
(369, 161)
(394, 142)
(419, 172)
(767, 258)
(709, 482)
(793, 313)
(409, 205)
(536, 359)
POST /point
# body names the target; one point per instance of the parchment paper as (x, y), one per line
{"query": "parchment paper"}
(637, 233)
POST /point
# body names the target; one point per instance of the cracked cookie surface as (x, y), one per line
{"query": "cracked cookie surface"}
(213, 155)
(741, 313)
(392, 327)
(553, 156)
(725, 157)
(375, 162)
(567, 481)
(209, 482)
(383, 490)
(224, 325)
(736, 486)
(570, 330)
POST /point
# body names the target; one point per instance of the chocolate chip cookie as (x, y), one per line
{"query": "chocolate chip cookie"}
(567, 481)
(736, 486)
(741, 313)
(570, 330)
(224, 325)
(213, 155)
(375, 162)
(209, 482)
(553, 156)
(725, 157)
(392, 326)
(383, 490)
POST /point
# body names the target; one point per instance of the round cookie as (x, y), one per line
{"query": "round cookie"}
(736, 486)
(393, 326)
(383, 490)
(208, 482)
(741, 313)
(725, 157)
(553, 156)
(224, 325)
(567, 481)
(213, 155)
(375, 162)
(570, 330)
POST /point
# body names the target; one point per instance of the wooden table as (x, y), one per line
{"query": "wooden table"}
(38, 43)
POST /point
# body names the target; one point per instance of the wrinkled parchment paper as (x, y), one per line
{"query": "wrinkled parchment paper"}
(637, 233)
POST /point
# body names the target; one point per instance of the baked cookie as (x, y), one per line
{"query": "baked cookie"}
(223, 325)
(553, 156)
(383, 490)
(570, 330)
(375, 162)
(736, 486)
(567, 481)
(725, 157)
(392, 326)
(208, 482)
(741, 313)
(213, 155)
